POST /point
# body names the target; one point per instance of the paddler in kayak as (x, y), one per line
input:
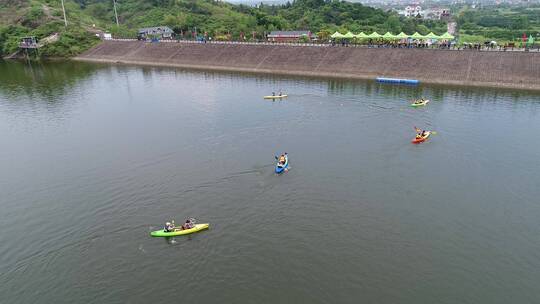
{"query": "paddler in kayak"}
(420, 133)
(282, 159)
(170, 227)
(190, 223)
(419, 101)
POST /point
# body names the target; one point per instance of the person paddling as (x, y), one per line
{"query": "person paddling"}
(169, 227)
(419, 101)
(189, 224)
(282, 159)
(420, 133)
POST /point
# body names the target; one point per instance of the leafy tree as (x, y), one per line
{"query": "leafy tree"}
(520, 22)
(392, 24)
(422, 29)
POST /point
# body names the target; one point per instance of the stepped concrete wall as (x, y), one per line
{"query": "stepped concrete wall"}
(475, 68)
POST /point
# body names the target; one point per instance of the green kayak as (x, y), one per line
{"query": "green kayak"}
(163, 233)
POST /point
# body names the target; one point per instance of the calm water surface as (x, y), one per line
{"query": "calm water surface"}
(94, 157)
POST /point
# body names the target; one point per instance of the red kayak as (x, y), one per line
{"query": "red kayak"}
(421, 139)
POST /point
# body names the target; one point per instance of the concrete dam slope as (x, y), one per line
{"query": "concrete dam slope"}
(474, 68)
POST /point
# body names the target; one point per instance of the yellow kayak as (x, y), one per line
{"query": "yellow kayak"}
(420, 103)
(274, 97)
(162, 232)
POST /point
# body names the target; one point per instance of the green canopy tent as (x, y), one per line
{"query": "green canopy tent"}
(402, 35)
(389, 36)
(336, 35)
(374, 35)
(349, 35)
(361, 35)
(447, 36)
(431, 35)
(418, 36)
(530, 42)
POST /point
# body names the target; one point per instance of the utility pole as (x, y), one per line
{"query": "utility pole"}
(115, 14)
(64, 10)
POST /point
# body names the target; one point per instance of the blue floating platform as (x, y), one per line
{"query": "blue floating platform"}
(397, 80)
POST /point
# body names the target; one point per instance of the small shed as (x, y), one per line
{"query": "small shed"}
(28, 43)
(163, 32)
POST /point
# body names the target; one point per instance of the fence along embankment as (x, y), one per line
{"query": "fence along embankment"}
(495, 69)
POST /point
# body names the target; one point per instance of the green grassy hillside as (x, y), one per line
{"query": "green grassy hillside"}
(43, 17)
(501, 23)
(217, 17)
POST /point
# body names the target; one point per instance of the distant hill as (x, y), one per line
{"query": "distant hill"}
(41, 18)
(255, 2)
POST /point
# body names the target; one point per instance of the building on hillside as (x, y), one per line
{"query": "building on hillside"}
(163, 32)
(451, 27)
(289, 36)
(437, 14)
(413, 11)
(104, 36)
(28, 43)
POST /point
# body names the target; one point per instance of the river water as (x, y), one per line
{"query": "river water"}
(94, 157)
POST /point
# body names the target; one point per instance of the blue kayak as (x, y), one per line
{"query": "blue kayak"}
(282, 167)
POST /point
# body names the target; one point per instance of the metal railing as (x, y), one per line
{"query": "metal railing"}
(535, 49)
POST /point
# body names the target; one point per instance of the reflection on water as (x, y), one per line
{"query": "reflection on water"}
(97, 156)
(43, 80)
